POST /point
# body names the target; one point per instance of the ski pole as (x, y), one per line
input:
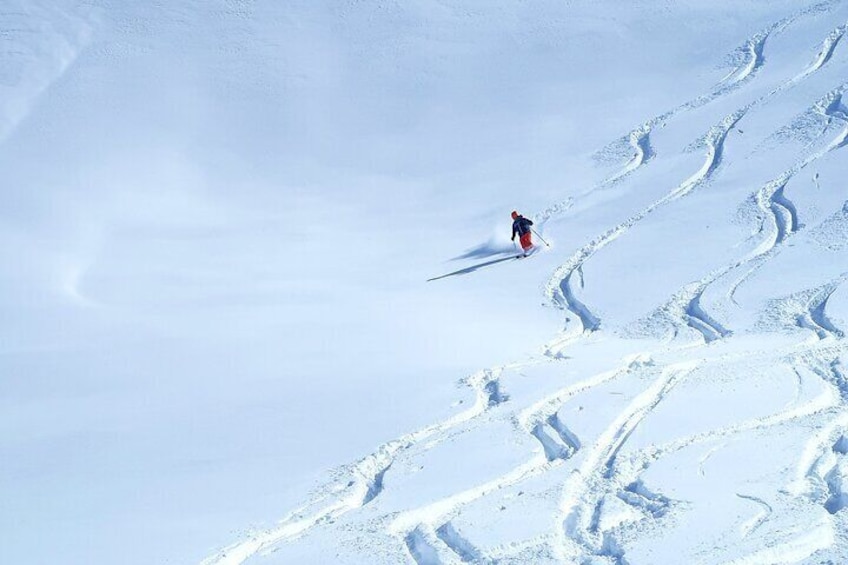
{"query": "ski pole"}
(540, 237)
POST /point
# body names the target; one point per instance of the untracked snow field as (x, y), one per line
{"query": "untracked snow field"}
(219, 344)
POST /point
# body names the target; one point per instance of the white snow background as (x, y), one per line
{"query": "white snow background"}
(218, 345)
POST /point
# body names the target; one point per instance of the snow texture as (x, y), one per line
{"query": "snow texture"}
(260, 305)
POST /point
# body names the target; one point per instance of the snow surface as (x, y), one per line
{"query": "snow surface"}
(220, 346)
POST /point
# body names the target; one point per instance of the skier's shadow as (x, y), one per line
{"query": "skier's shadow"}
(473, 268)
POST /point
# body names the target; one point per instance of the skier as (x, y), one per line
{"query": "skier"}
(521, 226)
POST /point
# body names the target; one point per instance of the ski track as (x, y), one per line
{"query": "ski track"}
(543, 415)
(588, 320)
(639, 139)
(428, 546)
(706, 457)
(752, 58)
(421, 544)
(534, 420)
(364, 480)
(754, 523)
(699, 320)
(581, 507)
(652, 504)
(771, 198)
(584, 490)
(821, 324)
(829, 402)
(819, 476)
(459, 545)
(822, 472)
(819, 472)
(552, 448)
(755, 48)
(818, 405)
(795, 549)
(825, 52)
(785, 214)
(684, 309)
(442, 510)
(807, 310)
(772, 202)
(559, 288)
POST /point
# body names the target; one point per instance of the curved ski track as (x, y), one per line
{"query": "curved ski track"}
(826, 51)
(772, 202)
(814, 317)
(771, 198)
(754, 523)
(559, 288)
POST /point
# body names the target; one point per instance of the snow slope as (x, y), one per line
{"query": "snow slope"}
(220, 347)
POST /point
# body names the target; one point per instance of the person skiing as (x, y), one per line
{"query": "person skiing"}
(521, 227)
